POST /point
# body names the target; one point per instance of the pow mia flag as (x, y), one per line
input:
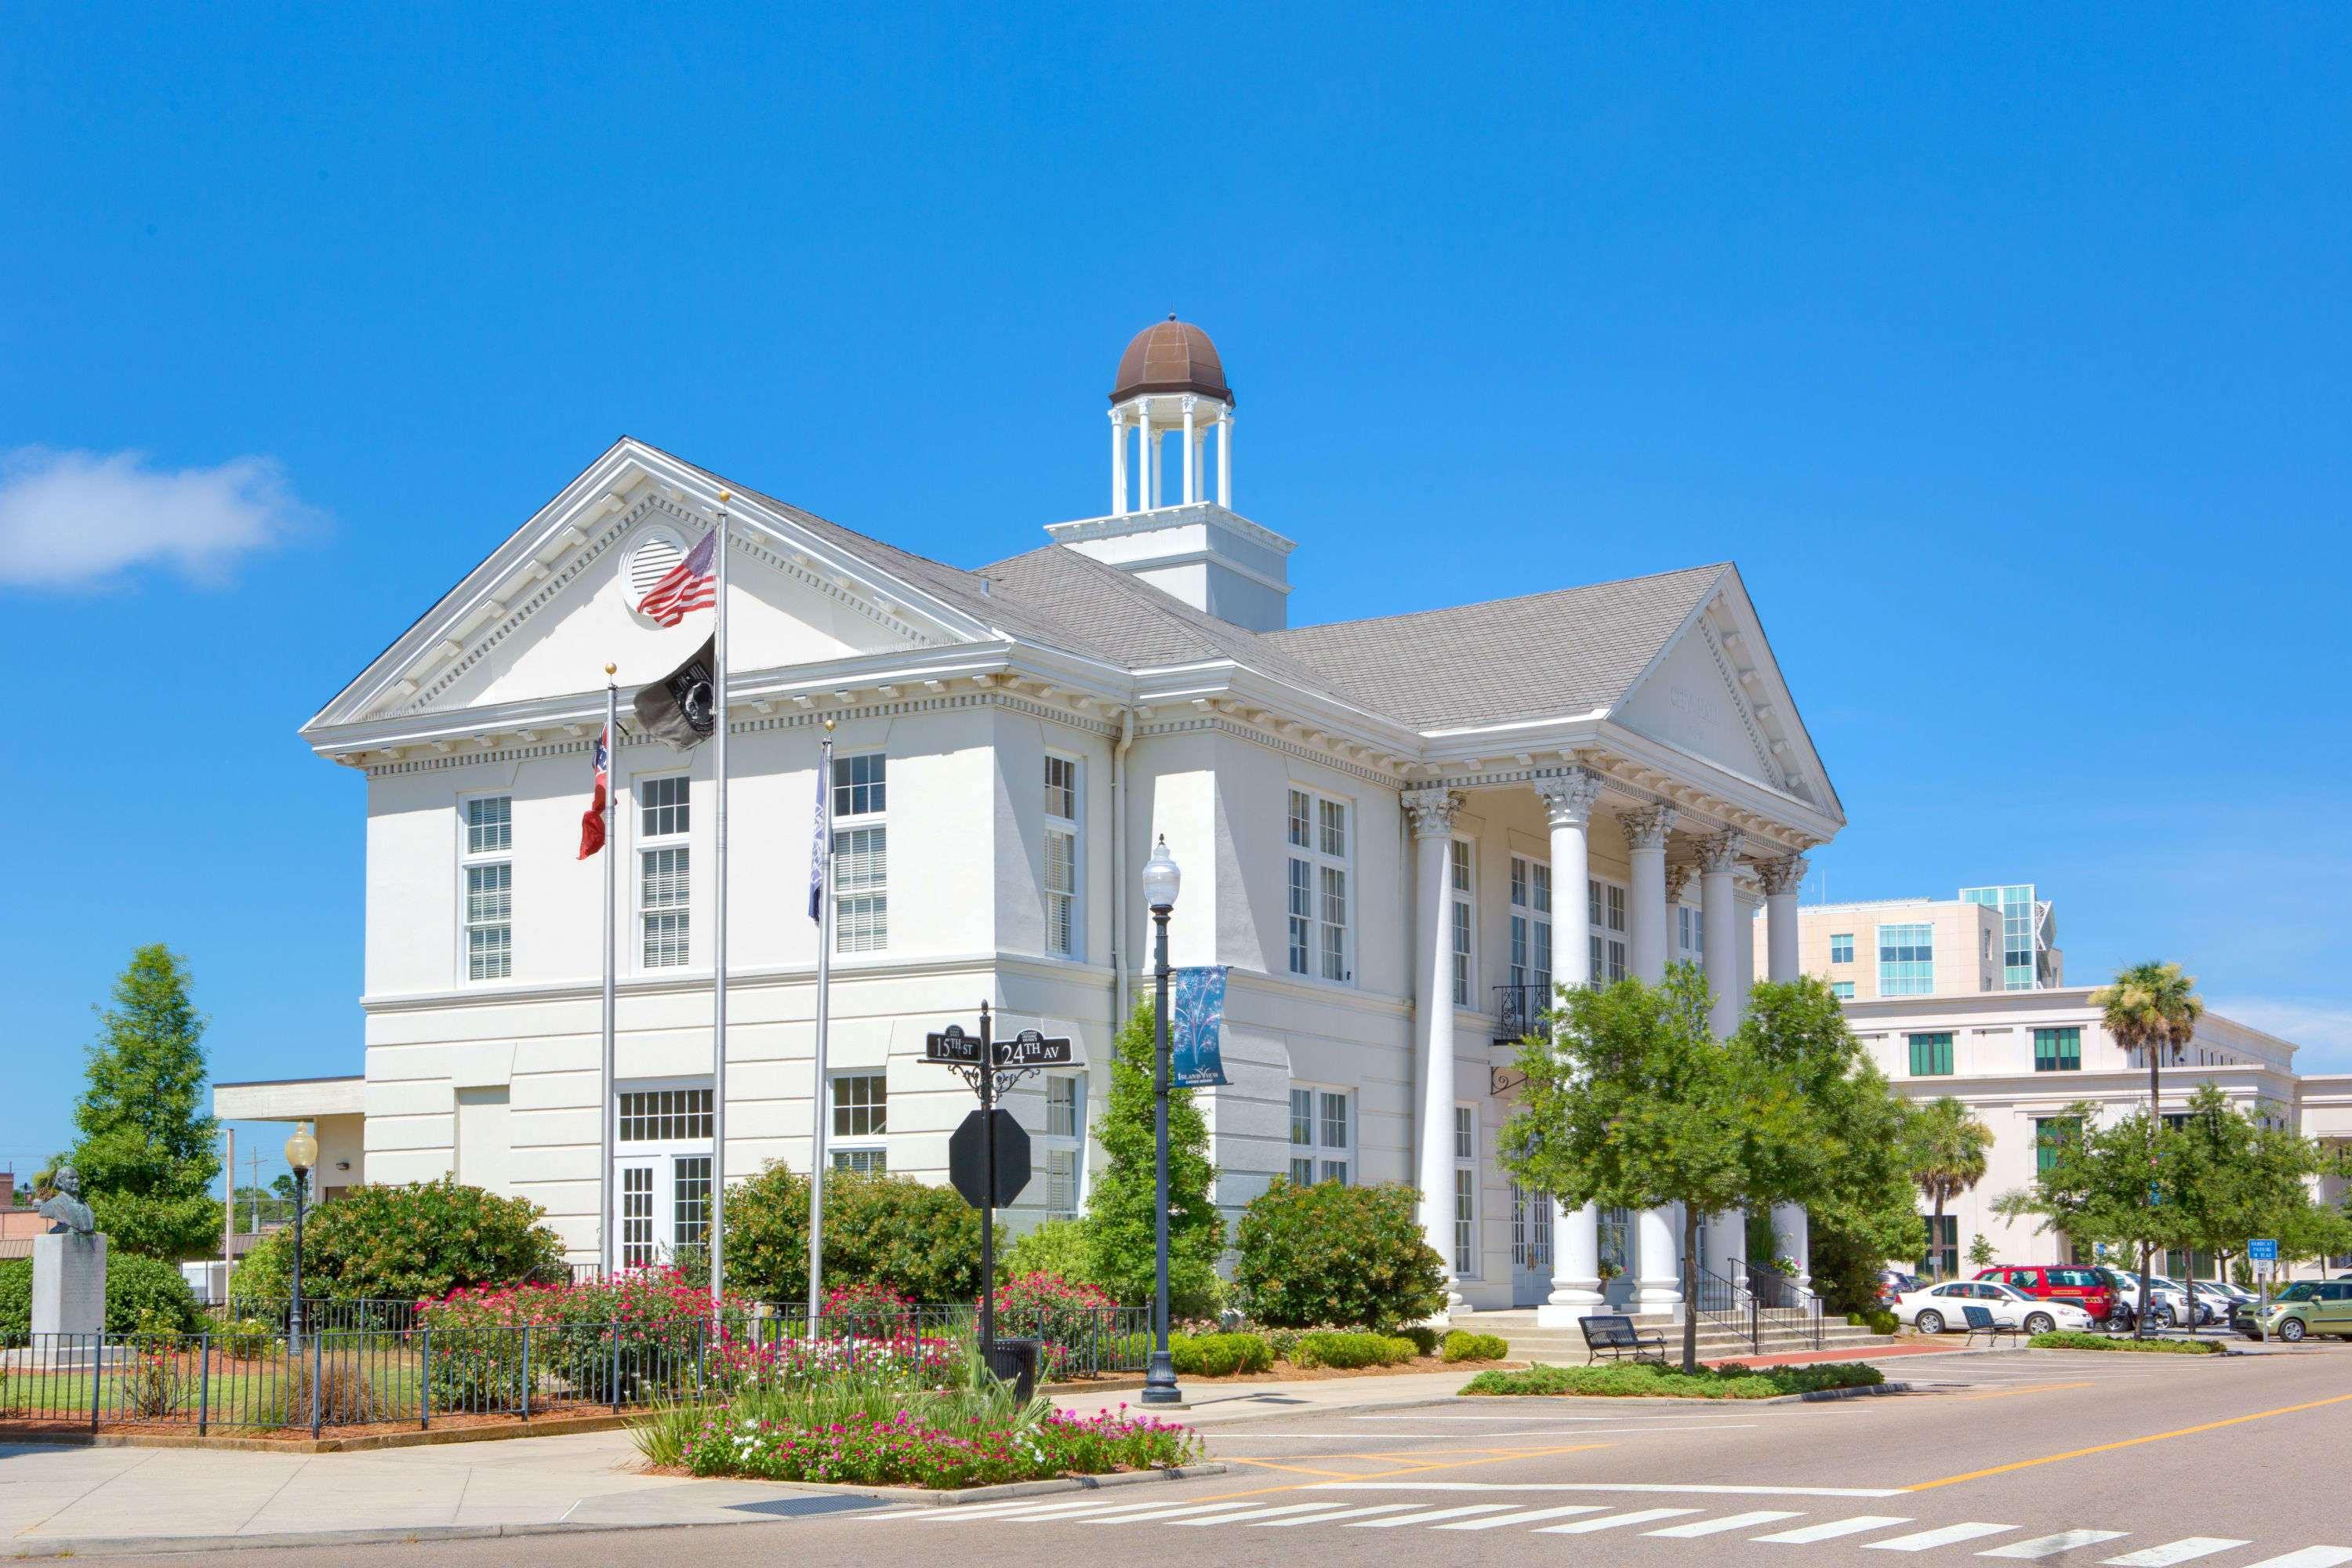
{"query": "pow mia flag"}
(679, 708)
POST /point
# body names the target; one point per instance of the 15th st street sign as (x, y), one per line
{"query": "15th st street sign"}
(953, 1047)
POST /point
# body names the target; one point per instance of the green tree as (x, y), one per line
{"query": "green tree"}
(2151, 1008)
(1122, 1207)
(1633, 1103)
(2231, 1175)
(2093, 1187)
(147, 1150)
(1948, 1150)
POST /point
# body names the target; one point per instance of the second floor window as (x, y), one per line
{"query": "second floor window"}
(487, 868)
(1690, 931)
(1842, 947)
(1931, 1055)
(1462, 907)
(1317, 886)
(1061, 871)
(1531, 930)
(1064, 1142)
(2057, 1050)
(665, 872)
(1907, 960)
(861, 855)
(1605, 907)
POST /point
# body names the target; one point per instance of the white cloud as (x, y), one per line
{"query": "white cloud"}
(74, 519)
(2322, 1027)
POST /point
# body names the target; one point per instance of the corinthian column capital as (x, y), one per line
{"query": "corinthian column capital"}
(1719, 852)
(1781, 874)
(1647, 828)
(1568, 799)
(1432, 810)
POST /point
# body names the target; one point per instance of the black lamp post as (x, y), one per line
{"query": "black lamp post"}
(1160, 880)
(301, 1153)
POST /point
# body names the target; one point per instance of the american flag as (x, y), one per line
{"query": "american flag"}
(591, 821)
(685, 587)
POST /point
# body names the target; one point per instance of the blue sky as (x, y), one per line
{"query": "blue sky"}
(2004, 351)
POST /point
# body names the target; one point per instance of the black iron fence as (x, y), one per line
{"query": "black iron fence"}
(276, 1314)
(1519, 1010)
(247, 1373)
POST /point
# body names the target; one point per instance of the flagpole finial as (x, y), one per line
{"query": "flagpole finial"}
(828, 726)
(611, 671)
(726, 496)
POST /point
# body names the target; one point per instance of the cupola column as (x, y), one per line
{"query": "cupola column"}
(1225, 460)
(1117, 464)
(1191, 453)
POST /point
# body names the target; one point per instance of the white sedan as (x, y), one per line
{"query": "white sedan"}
(1939, 1307)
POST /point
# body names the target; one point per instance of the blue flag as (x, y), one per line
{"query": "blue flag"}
(1196, 1019)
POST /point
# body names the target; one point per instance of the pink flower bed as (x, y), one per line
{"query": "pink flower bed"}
(905, 1450)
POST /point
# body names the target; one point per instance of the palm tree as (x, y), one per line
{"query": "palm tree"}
(1948, 1155)
(2152, 1007)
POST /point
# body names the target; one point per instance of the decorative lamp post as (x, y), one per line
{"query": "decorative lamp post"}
(301, 1153)
(1160, 880)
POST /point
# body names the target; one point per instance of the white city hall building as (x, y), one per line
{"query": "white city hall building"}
(1398, 831)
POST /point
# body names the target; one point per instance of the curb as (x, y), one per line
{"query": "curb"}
(163, 1545)
(1821, 1396)
(552, 1427)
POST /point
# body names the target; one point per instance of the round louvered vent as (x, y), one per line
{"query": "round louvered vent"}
(658, 551)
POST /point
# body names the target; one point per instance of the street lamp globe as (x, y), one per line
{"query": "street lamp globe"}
(301, 1150)
(1160, 879)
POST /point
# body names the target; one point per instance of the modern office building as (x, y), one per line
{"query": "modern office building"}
(2029, 957)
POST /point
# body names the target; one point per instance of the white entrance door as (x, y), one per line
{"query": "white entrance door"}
(665, 1207)
(1531, 1247)
(634, 1196)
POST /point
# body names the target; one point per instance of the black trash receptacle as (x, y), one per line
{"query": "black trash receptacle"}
(1015, 1362)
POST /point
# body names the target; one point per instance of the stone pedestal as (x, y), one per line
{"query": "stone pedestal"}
(69, 1284)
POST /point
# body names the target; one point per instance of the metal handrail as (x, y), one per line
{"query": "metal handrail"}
(1520, 1010)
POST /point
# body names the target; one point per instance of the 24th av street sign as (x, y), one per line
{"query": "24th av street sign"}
(1031, 1049)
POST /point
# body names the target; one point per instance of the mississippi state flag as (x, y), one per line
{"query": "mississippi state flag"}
(591, 821)
(685, 587)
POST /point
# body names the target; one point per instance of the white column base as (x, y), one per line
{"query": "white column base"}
(1568, 1314)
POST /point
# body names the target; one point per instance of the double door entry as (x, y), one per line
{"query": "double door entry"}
(665, 1207)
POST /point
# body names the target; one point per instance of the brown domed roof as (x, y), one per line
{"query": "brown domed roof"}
(1170, 356)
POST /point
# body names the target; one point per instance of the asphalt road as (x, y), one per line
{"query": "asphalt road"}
(2049, 1458)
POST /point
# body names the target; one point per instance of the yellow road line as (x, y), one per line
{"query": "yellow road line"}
(2126, 1443)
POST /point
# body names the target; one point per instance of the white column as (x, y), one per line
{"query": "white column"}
(1432, 812)
(1783, 878)
(1191, 453)
(1795, 1230)
(1718, 865)
(1727, 1238)
(1645, 842)
(1148, 492)
(1225, 460)
(1658, 1260)
(1118, 465)
(1575, 1232)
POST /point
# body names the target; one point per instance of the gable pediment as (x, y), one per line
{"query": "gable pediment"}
(542, 617)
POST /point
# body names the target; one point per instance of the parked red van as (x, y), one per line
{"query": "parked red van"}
(2086, 1287)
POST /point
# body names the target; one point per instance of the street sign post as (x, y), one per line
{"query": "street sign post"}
(988, 1159)
(953, 1047)
(2265, 1251)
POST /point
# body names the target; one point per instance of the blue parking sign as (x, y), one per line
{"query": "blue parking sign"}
(2262, 1251)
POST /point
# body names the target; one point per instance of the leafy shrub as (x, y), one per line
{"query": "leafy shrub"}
(406, 1243)
(1122, 1203)
(921, 1241)
(137, 1287)
(1344, 1349)
(1424, 1338)
(863, 1308)
(246, 1339)
(1643, 1380)
(2066, 1340)
(641, 1328)
(1074, 1320)
(1058, 1246)
(1334, 1254)
(1878, 1319)
(1219, 1355)
(1463, 1345)
(913, 1447)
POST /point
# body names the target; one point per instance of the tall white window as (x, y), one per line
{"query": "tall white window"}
(487, 869)
(1462, 912)
(1531, 930)
(1318, 885)
(1605, 907)
(1064, 1143)
(861, 855)
(1466, 1192)
(1322, 1135)
(1690, 933)
(861, 1102)
(665, 871)
(663, 1155)
(1061, 878)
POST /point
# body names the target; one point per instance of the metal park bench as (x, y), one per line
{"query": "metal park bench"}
(1615, 1336)
(1980, 1321)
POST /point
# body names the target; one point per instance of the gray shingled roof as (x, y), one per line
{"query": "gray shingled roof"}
(1571, 650)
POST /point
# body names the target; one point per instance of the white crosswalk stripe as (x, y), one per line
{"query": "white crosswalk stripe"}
(1833, 1529)
(1027, 1508)
(1525, 1516)
(1615, 1520)
(1729, 1521)
(2309, 1557)
(2188, 1549)
(1158, 1513)
(1324, 1508)
(1343, 1513)
(1945, 1536)
(2052, 1545)
(1430, 1517)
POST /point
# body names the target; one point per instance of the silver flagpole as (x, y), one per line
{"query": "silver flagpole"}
(820, 1121)
(608, 1248)
(719, 934)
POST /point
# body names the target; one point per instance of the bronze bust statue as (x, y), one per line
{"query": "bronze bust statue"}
(65, 1205)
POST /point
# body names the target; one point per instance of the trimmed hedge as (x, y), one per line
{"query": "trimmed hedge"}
(920, 1240)
(1220, 1355)
(406, 1243)
(1344, 1349)
(1643, 1380)
(2066, 1339)
(135, 1284)
(1463, 1345)
(1878, 1319)
(1424, 1338)
(1334, 1254)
